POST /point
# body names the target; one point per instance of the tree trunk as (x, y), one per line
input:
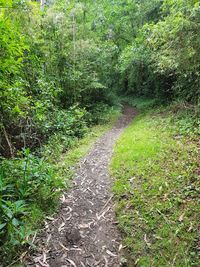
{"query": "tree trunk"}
(42, 4)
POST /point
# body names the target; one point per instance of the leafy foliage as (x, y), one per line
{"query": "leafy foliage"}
(50, 94)
(28, 186)
(163, 57)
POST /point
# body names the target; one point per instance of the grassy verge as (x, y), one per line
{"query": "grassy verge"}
(156, 165)
(31, 184)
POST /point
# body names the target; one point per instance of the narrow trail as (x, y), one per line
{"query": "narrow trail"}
(84, 232)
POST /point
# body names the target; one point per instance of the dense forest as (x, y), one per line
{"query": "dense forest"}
(67, 65)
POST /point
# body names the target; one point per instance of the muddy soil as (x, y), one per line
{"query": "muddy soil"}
(84, 232)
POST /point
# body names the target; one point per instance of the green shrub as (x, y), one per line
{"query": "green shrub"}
(99, 113)
(70, 122)
(28, 185)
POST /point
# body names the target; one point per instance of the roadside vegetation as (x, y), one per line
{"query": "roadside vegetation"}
(157, 188)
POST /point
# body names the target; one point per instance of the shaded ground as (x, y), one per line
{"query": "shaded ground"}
(84, 232)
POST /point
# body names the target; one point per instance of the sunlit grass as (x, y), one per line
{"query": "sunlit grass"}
(157, 188)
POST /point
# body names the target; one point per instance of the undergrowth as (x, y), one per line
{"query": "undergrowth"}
(32, 182)
(157, 186)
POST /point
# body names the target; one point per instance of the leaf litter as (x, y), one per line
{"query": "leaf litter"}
(84, 230)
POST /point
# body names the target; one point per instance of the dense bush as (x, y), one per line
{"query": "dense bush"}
(49, 63)
(163, 58)
(28, 187)
(83, 53)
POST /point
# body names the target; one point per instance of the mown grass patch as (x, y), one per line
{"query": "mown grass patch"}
(157, 189)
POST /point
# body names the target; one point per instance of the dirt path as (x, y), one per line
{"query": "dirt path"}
(84, 232)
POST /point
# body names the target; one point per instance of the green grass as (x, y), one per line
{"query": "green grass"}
(157, 190)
